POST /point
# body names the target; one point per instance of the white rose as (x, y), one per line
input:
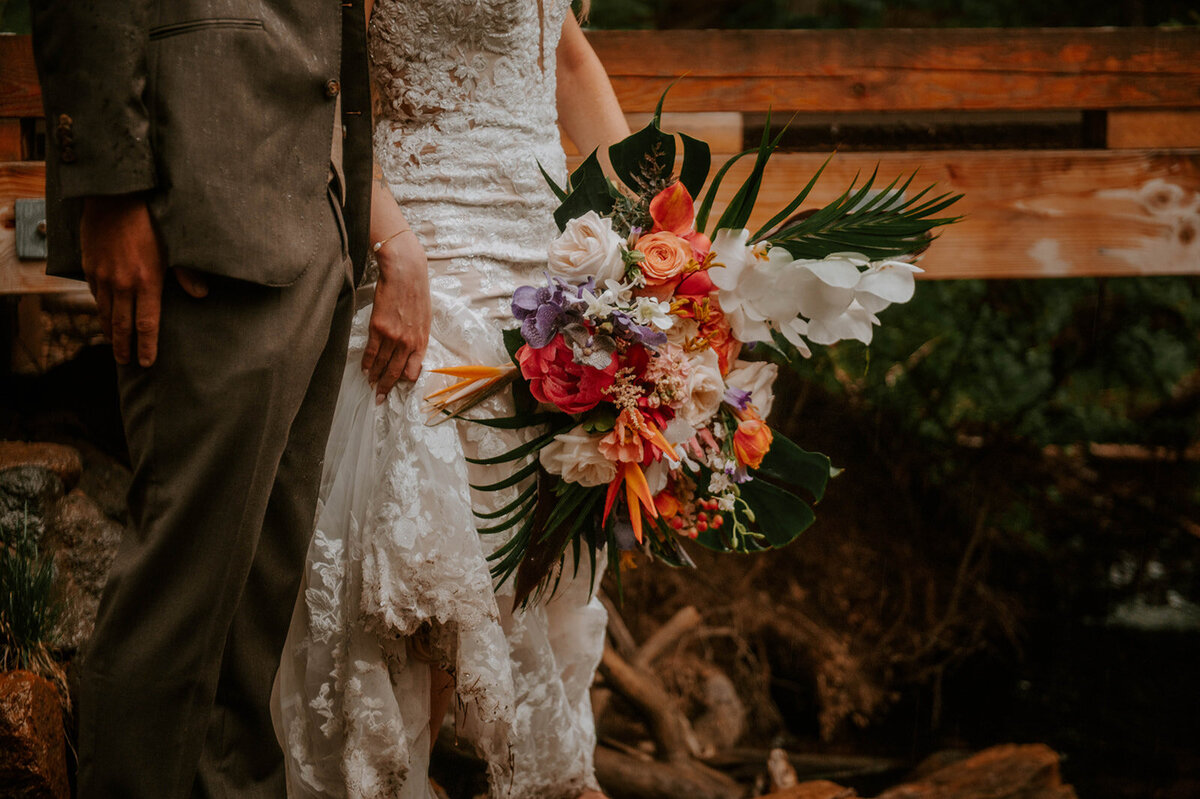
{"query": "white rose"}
(705, 388)
(757, 378)
(575, 456)
(587, 247)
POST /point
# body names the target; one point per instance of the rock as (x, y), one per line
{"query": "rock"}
(84, 541)
(814, 789)
(105, 480)
(780, 771)
(33, 752)
(1010, 771)
(25, 494)
(58, 458)
(29, 488)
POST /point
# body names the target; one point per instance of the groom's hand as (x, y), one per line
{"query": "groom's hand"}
(398, 332)
(124, 269)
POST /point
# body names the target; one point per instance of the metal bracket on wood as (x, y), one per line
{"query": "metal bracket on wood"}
(31, 229)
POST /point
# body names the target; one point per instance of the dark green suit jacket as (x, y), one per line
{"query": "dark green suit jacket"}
(222, 111)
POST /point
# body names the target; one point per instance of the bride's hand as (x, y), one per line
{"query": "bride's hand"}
(399, 329)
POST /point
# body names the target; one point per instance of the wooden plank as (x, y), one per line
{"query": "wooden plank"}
(853, 70)
(1139, 129)
(721, 129)
(10, 140)
(1029, 214)
(16, 276)
(904, 70)
(20, 95)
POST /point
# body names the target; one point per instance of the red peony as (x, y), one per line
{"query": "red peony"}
(556, 379)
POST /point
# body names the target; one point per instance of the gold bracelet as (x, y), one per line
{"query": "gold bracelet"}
(377, 246)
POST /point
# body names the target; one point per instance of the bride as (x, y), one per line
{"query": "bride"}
(398, 613)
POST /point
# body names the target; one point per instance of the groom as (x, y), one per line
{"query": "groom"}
(201, 177)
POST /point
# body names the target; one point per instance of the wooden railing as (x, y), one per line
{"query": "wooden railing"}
(1129, 206)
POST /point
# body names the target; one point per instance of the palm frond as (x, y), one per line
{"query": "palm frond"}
(877, 224)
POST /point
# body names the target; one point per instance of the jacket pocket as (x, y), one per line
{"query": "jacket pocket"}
(192, 25)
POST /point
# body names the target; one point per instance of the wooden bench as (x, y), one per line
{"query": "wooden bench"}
(1128, 207)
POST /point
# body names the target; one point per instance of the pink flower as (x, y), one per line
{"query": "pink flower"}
(556, 379)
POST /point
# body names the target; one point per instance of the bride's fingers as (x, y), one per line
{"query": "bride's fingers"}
(412, 369)
(369, 355)
(385, 350)
(395, 368)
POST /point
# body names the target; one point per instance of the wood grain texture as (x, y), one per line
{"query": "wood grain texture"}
(1135, 129)
(16, 276)
(853, 70)
(20, 95)
(10, 140)
(1066, 213)
(904, 70)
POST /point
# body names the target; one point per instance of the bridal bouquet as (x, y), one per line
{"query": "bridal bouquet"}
(646, 424)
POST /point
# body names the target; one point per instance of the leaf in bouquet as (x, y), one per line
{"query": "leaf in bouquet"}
(521, 450)
(525, 496)
(520, 515)
(515, 422)
(793, 205)
(511, 480)
(558, 190)
(737, 213)
(711, 194)
(882, 226)
(786, 461)
(551, 532)
(697, 160)
(589, 192)
(643, 159)
(779, 515)
(513, 341)
(717, 539)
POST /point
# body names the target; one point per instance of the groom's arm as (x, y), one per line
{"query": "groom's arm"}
(91, 58)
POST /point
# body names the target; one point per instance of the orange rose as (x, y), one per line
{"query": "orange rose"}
(751, 442)
(664, 256)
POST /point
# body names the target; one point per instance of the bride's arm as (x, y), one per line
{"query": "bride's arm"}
(587, 106)
(399, 328)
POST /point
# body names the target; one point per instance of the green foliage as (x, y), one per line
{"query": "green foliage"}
(14, 16)
(29, 607)
(1032, 362)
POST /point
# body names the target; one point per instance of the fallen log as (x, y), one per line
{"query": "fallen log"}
(671, 730)
(626, 777)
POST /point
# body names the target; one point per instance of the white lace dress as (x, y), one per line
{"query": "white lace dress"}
(467, 112)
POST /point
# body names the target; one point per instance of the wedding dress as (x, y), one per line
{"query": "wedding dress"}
(465, 114)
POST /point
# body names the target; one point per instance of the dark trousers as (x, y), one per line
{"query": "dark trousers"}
(226, 433)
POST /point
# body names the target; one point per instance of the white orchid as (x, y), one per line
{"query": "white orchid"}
(614, 296)
(886, 282)
(649, 311)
